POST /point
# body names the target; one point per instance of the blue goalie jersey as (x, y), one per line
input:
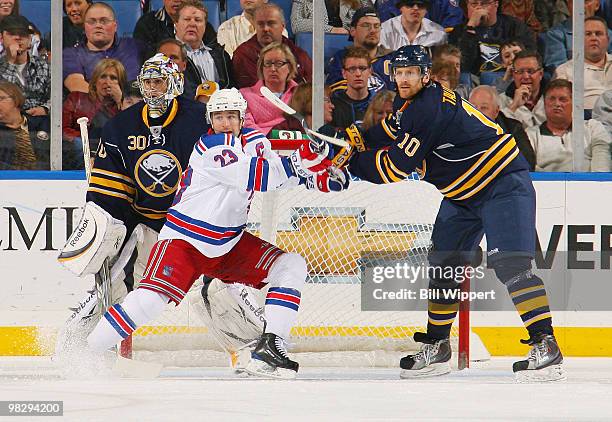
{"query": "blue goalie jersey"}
(445, 139)
(140, 160)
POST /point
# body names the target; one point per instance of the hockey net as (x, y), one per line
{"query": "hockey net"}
(336, 233)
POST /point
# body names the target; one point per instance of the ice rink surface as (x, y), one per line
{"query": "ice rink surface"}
(487, 393)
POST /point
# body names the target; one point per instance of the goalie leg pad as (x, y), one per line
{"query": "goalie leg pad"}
(286, 279)
(233, 313)
(97, 236)
(120, 320)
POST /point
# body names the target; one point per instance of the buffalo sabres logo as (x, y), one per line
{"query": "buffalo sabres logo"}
(158, 173)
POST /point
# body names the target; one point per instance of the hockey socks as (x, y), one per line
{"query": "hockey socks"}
(281, 309)
(121, 320)
(529, 297)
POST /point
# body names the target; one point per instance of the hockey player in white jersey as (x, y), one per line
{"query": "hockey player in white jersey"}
(205, 233)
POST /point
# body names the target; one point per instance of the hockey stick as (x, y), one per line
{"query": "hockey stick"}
(103, 276)
(269, 95)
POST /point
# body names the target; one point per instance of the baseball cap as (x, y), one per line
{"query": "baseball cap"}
(206, 89)
(16, 24)
(400, 3)
(362, 13)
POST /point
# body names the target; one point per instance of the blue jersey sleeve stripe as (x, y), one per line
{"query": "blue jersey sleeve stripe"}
(287, 166)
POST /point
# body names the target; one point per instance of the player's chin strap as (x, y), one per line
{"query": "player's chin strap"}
(356, 144)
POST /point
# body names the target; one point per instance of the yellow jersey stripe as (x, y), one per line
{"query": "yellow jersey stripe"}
(111, 174)
(388, 129)
(110, 193)
(499, 156)
(484, 156)
(441, 322)
(111, 184)
(377, 160)
(390, 173)
(148, 215)
(396, 170)
(443, 307)
(491, 177)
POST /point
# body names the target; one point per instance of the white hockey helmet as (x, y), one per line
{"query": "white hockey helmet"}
(160, 67)
(226, 100)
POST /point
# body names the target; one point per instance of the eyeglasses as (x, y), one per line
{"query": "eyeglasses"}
(369, 26)
(529, 72)
(101, 21)
(410, 5)
(353, 69)
(277, 64)
(482, 3)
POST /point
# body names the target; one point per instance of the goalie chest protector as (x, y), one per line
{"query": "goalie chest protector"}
(140, 160)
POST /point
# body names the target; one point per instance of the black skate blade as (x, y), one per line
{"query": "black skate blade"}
(433, 370)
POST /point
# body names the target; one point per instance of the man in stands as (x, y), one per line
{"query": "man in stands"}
(523, 98)
(239, 29)
(365, 33)
(350, 104)
(552, 140)
(411, 27)
(158, 25)
(30, 73)
(481, 36)
(211, 61)
(101, 42)
(557, 41)
(270, 24)
(597, 62)
(443, 12)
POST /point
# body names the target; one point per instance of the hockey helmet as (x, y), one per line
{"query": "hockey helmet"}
(160, 67)
(411, 55)
(225, 100)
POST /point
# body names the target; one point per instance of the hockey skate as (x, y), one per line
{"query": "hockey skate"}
(543, 363)
(432, 360)
(270, 359)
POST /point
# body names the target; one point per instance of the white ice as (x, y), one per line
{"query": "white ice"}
(486, 393)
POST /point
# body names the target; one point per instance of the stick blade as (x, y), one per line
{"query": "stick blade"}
(335, 141)
(269, 95)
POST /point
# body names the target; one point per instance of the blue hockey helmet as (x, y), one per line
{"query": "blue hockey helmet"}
(411, 55)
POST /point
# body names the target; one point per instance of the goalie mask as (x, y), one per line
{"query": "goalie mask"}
(226, 100)
(160, 81)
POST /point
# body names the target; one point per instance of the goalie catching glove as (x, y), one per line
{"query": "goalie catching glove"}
(330, 180)
(97, 236)
(311, 158)
(356, 143)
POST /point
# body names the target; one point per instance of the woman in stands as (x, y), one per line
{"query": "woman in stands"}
(276, 68)
(102, 102)
(72, 29)
(302, 103)
(337, 15)
(380, 106)
(24, 140)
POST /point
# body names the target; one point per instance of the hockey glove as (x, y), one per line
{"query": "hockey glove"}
(310, 158)
(355, 139)
(330, 180)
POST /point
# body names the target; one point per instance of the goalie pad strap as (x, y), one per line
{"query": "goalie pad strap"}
(97, 236)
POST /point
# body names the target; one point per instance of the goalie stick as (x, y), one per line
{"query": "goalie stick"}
(269, 95)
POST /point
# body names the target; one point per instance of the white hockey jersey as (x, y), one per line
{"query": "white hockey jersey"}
(211, 206)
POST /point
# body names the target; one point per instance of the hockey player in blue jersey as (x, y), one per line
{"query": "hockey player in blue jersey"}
(487, 190)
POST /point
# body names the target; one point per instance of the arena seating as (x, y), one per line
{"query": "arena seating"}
(333, 43)
(38, 12)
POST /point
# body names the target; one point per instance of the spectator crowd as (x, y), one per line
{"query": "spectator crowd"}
(512, 59)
